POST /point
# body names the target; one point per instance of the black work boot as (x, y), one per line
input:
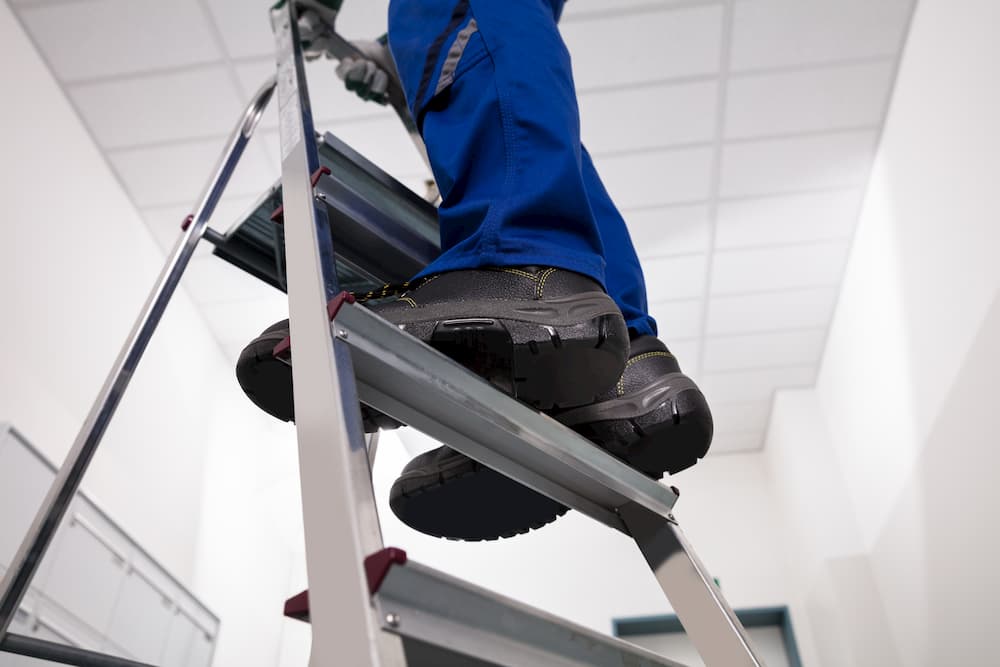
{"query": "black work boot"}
(655, 419)
(549, 337)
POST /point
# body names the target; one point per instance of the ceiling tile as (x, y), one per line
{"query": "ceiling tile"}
(754, 385)
(789, 267)
(176, 173)
(779, 33)
(672, 230)
(648, 116)
(678, 319)
(687, 351)
(768, 311)
(741, 417)
(247, 32)
(657, 177)
(211, 281)
(160, 108)
(796, 164)
(330, 100)
(100, 38)
(673, 278)
(820, 216)
(761, 350)
(242, 321)
(232, 210)
(384, 141)
(734, 443)
(810, 100)
(252, 74)
(363, 20)
(647, 46)
(245, 26)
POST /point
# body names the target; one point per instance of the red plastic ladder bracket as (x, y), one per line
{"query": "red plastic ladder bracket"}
(377, 566)
(283, 350)
(278, 217)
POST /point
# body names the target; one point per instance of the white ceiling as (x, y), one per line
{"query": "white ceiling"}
(735, 135)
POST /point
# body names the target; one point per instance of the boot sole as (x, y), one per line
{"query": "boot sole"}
(665, 427)
(469, 502)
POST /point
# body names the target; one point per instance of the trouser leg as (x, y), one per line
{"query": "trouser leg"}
(491, 88)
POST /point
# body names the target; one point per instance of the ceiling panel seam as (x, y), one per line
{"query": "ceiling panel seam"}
(764, 332)
(652, 8)
(260, 146)
(688, 203)
(138, 75)
(836, 63)
(802, 134)
(754, 370)
(715, 188)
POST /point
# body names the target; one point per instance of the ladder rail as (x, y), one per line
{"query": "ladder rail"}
(50, 514)
(709, 621)
(338, 501)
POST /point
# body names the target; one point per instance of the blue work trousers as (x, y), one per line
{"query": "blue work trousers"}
(490, 86)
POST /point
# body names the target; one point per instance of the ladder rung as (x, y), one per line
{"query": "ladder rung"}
(441, 617)
(447, 622)
(412, 382)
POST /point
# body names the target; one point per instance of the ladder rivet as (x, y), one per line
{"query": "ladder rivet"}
(392, 619)
(341, 334)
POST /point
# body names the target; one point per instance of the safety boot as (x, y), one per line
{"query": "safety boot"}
(654, 418)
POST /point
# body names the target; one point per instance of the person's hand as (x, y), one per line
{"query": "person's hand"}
(370, 74)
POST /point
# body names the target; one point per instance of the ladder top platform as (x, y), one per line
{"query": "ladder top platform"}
(383, 232)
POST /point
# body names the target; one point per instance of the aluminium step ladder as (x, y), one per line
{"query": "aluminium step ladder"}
(369, 606)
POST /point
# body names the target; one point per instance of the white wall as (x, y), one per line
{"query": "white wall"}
(76, 263)
(885, 473)
(188, 464)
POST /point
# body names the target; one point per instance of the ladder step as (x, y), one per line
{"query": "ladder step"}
(417, 385)
(447, 622)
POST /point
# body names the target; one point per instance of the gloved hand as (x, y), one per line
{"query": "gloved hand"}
(371, 75)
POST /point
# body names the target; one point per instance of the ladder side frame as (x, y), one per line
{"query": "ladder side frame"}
(338, 500)
(53, 508)
(708, 620)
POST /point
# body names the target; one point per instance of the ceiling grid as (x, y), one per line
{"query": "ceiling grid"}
(736, 136)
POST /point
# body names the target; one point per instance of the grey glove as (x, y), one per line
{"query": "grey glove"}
(370, 74)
